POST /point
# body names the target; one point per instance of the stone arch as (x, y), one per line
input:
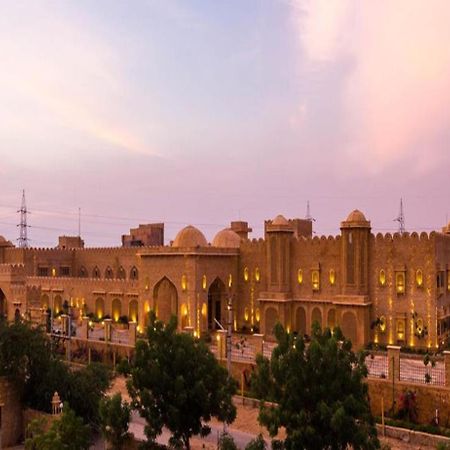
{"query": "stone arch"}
(133, 314)
(216, 303)
(96, 272)
(316, 316)
(271, 318)
(300, 320)
(116, 309)
(134, 273)
(2, 304)
(109, 273)
(331, 319)
(349, 326)
(99, 308)
(165, 299)
(57, 304)
(121, 274)
(83, 273)
(45, 301)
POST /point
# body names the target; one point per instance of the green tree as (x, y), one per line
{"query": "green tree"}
(115, 417)
(66, 433)
(319, 390)
(226, 442)
(176, 382)
(257, 444)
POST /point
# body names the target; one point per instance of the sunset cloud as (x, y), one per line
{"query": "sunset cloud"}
(396, 96)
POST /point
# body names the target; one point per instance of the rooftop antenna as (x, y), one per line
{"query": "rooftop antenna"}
(23, 238)
(308, 213)
(401, 219)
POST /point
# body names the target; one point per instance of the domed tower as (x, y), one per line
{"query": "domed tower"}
(278, 237)
(190, 237)
(355, 233)
(226, 238)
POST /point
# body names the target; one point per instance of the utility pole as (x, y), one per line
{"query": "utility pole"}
(401, 219)
(23, 238)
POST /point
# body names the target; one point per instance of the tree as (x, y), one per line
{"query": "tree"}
(176, 382)
(115, 417)
(319, 390)
(226, 442)
(257, 444)
(67, 433)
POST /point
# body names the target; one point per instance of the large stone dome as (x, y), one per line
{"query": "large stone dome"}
(280, 220)
(4, 242)
(190, 237)
(226, 238)
(356, 216)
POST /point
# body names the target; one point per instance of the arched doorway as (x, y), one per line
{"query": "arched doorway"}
(331, 322)
(99, 308)
(2, 304)
(17, 316)
(116, 309)
(348, 326)
(133, 311)
(216, 303)
(271, 318)
(165, 298)
(316, 316)
(300, 321)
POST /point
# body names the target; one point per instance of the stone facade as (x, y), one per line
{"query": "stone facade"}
(389, 289)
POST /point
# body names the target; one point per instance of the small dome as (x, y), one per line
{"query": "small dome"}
(4, 242)
(226, 238)
(2, 239)
(280, 220)
(190, 237)
(356, 216)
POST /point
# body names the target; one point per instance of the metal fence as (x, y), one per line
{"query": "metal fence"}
(377, 366)
(416, 371)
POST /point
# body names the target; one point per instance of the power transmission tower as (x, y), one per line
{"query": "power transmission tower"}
(401, 219)
(23, 237)
(308, 213)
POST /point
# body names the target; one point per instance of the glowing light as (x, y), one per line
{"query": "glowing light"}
(257, 275)
(204, 282)
(300, 276)
(315, 280)
(257, 314)
(419, 278)
(246, 314)
(382, 278)
(204, 310)
(53, 272)
(230, 280)
(184, 282)
(400, 282)
(332, 277)
(184, 310)
(246, 274)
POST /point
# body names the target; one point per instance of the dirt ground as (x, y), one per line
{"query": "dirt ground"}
(247, 421)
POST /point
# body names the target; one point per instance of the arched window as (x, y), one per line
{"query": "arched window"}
(121, 275)
(96, 272)
(109, 273)
(134, 274)
(83, 272)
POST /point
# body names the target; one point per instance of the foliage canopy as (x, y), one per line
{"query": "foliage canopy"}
(319, 392)
(176, 382)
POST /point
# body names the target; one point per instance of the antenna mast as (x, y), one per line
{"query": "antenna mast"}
(23, 238)
(308, 213)
(401, 219)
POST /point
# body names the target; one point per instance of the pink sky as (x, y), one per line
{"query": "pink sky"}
(202, 113)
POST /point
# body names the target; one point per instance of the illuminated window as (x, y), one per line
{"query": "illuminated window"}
(204, 310)
(134, 274)
(300, 276)
(332, 277)
(400, 282)
(419, 278)
(401, 330)
(257, 275)
(183, 282)
(246, 274)
(315, 280)
(382, 325)
(230, 280)
(204, 283)
(382, 278)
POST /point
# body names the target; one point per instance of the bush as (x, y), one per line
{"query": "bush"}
(226, 442)
(257, 444)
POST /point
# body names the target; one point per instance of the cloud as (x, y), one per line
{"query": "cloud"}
(60, 78)
(396, 97)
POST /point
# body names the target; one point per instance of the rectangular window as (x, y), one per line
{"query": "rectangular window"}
(350, 260)
(43, 271)
(64, 271)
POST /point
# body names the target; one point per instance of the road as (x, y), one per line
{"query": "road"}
(240, 438)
